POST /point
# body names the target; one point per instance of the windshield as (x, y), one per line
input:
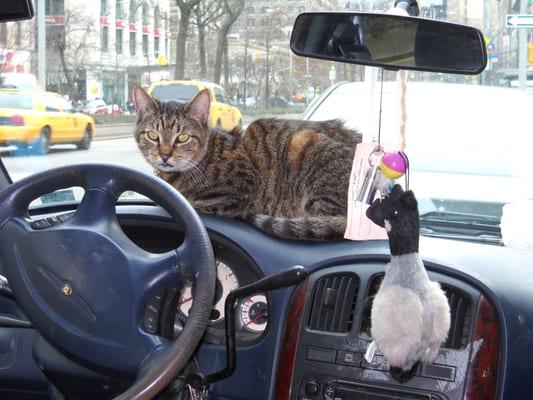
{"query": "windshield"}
(468, 138)
(174, 92)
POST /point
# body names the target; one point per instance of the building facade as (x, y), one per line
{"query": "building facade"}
(16, 46)
(101, 49)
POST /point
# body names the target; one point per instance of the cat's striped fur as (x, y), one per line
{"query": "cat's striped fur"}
(287, 177)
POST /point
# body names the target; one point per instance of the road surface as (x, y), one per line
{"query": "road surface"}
(122, 151)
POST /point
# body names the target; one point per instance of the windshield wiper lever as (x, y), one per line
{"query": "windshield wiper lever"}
(279, 280)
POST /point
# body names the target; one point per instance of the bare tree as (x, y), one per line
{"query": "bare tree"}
(186, 7)
(73, 41)
(205, 13)
(232, 9)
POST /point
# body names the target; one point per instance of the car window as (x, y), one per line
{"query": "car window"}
(15, 100)
(221, 96)
(53, 103)
(175, 92)
(67, 106)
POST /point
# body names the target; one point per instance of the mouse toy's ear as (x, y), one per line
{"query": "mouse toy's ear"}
(408, 200)
(376, 213)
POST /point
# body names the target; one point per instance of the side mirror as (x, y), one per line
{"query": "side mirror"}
(15, 10)
(390, 41)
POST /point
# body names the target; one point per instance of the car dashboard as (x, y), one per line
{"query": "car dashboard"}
(309, 342)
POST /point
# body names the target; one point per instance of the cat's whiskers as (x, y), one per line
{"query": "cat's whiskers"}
(196, 174)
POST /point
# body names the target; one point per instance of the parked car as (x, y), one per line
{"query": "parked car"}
(99, 106)
(278, 102)
(222, 113)
(94, 107)
(449, 167)
(36, 120)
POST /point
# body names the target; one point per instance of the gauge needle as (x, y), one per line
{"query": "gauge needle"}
(257, 317)
(186, 300)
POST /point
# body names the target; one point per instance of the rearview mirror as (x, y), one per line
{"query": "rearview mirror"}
(15, 10)
(390, 41)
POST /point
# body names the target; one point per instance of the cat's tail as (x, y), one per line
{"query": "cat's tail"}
(304, 228)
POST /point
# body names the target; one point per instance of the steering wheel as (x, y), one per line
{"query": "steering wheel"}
(84, 284)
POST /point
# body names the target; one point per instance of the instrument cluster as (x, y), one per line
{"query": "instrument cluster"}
(234, 270)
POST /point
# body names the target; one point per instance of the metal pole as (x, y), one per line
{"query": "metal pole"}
(290, 73)
(522, 50)
(483, 76)
(41, 44)
(245, 83)
(267, 83)
(307, 81)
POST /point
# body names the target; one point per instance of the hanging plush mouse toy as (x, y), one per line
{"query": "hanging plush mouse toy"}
(410, 314)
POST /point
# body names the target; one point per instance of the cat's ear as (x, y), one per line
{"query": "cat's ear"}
(198, 106)
(144, 103)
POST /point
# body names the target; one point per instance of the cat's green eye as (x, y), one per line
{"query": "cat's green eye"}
(183, 138)
(152, 135)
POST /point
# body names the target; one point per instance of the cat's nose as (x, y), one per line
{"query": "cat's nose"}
(165, 157)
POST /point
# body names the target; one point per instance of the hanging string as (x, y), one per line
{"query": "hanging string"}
(403, 107)
(380, 108)
(402, 75)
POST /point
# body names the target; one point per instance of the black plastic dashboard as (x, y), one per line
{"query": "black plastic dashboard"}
(264, 363)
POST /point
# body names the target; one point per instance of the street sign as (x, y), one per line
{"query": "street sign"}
(519, 20)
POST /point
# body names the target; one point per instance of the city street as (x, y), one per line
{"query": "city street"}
(122, 151)
(112, 143)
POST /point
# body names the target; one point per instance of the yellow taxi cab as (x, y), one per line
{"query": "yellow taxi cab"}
(222, 114)
(33, 119)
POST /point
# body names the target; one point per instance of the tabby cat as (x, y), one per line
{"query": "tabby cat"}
(289, 178)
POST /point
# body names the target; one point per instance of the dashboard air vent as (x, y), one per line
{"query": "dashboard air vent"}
(461, 317)
(333, 303)
(373, 288)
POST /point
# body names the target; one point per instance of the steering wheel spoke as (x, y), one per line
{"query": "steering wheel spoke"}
(97, 206)
(157, 272)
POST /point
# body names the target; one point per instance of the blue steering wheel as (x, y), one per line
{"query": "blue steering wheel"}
(84, 284)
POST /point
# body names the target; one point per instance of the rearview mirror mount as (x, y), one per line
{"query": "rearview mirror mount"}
(15, 10)
(390, 41)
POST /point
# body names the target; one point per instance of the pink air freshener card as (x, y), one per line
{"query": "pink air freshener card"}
(358, 226)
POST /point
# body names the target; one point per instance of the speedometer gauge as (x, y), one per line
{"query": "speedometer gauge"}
(226, 282)
(254, 313)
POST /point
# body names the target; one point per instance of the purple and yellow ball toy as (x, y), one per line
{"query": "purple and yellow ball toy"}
(394, 165)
